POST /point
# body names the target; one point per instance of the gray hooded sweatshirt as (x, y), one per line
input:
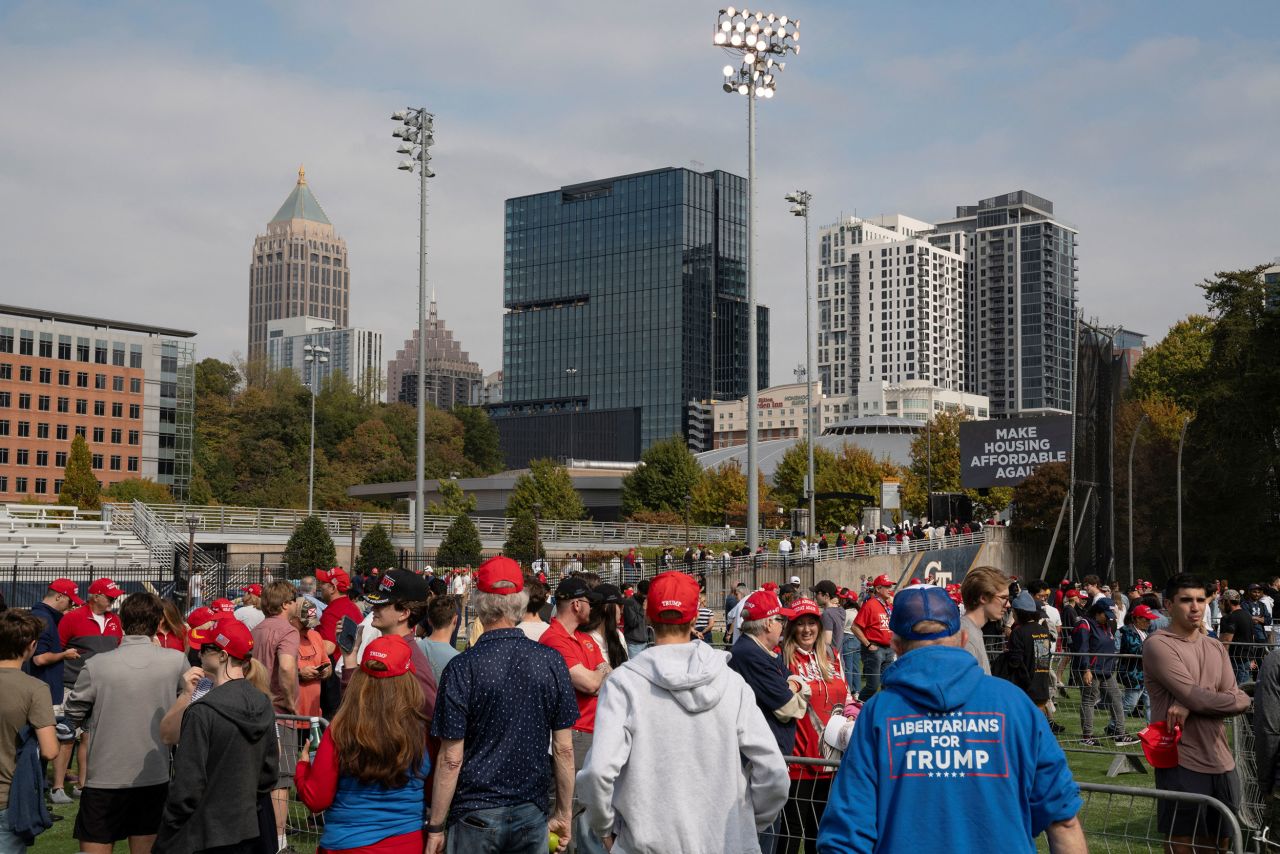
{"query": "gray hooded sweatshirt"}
(682, 758)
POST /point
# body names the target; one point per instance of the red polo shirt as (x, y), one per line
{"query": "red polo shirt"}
(80, 623)
(873, 619)
(576, 648)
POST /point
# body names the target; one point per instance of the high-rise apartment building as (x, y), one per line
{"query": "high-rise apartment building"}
(127, 388)
(1021, 305)
(452, 379)
(298, 269)
(355, 353)
(890, 306)
(626, 299)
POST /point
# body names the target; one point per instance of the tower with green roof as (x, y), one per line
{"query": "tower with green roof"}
(298, 269)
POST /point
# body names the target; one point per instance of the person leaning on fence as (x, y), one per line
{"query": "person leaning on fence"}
(809, 658)
(1132, 636)
(225, 765)
(871, 627)
(1235, 631)
(946, 758)
(1191, 685)
(680, 699)
(369, 772)
(25, 707)
(123, 695)
(501, 703)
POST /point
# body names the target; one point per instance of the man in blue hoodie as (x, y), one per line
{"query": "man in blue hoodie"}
(944, 740)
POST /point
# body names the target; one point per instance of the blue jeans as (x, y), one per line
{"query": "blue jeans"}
(634, 649)
(501, 830)
(851, 659)
(10, 842)
(874, 661)
(1133, 696)
(1243, 674)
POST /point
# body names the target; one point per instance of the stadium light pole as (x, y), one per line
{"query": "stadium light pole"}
(800, 200)
(313, 356)
(755, 38)
(417, 136)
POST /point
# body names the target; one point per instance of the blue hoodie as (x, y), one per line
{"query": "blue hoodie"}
(946, 758)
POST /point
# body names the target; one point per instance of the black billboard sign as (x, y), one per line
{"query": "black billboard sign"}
(1005, 452)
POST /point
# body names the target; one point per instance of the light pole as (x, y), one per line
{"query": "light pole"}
(193, 522)
(1182, 439)
(313, 356)
(800, 200)
(687, 499)
(417, 136)
(572, 373)
(757, 37)
(1133, 443)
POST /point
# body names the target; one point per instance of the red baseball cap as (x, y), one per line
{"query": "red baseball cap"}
(222, 606)
(672, 591)
(500, 575)
(105, 587)
(953, 590)
(254, 589)
(203, 616)
(67, 588)
(1073, 593)
(337, 577)
(387, 656)
(1160, 745)
(759, 605)
(769, 585)
(228, 634)
(882, 581)
(914, 580)
(802, 608)
(1145, 613)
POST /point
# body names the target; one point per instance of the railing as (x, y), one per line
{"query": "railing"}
(156, 533)
(221, 519)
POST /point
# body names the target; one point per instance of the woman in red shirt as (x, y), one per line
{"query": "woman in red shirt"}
(172, 633)
(811, 661)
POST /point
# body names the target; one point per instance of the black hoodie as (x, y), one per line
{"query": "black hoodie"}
(227, 736)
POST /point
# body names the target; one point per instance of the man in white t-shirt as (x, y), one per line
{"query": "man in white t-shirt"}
(784, 549)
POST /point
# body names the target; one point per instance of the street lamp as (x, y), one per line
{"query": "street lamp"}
(757, 38)
(313, 356)
(800, 200)
(537, 532)
(1133, 443)
(417, 136)
(572, 373)
(687, 499)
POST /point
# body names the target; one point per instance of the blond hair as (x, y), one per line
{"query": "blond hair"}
(789, 646)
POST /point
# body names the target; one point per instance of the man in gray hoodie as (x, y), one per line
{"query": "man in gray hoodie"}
(682, 755)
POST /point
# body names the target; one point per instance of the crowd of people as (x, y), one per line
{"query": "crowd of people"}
(608, 717)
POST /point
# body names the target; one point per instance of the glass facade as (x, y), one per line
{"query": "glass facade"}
(628, 292)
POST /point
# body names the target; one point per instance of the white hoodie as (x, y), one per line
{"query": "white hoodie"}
(682, 759)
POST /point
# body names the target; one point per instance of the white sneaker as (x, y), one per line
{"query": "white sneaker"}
(77, 791)
(58, 796)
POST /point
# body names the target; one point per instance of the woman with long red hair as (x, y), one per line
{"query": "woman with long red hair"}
(372, 762)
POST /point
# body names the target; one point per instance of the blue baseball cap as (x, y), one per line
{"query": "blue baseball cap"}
(923, 602)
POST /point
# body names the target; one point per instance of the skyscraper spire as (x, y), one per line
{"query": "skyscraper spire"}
(302, 176)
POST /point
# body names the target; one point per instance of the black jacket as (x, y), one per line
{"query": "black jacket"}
(227, 756)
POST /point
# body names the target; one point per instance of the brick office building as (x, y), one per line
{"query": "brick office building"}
(127, 388)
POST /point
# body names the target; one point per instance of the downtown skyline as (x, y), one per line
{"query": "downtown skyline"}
(1151, 129)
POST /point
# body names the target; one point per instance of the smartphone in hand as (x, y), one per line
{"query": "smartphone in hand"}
(346, 639)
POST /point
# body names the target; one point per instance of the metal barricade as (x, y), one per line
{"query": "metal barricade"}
(1121, 819)
(302, 827)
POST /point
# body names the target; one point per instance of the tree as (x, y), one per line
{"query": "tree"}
(139, 489)
(453, 501)
(79, 485)
(789, 476)
(666, 474)
(1037, 501)
(936, 449)
(717, 493)
(375, 550)
(548, 486)
(461, 544)
(310, 547)
(523, 543)
(479, 439)
(854, 469)
(1175, 368)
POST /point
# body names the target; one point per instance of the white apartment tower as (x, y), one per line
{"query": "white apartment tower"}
(890, 305)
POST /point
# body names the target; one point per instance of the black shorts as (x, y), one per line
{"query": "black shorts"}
(1185, 819)
(108, 815)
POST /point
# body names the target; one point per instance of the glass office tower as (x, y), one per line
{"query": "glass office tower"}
(624, 296)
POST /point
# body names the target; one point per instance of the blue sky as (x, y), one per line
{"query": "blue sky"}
(145, 144)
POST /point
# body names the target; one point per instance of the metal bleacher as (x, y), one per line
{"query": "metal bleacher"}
(53, 535)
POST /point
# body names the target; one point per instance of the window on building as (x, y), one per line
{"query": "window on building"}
(100, 381)
(135, 411)
(61, 432)
(97, 462)
(135, 385)
(42, 459)
(133, 463)
(135, 356)
(24, 401)
(134, 437)
(82, 379)
(42, 485)
(46, 345)
(82, 406)
(116, 435)
(117, 355)
(6, 400)
(64, 347)
(57, 486)
(100, 408)
(20, 484)
(81, 430)
(117, 410)
(26, 343)
(24, 457)
(42, 402)
(82, 349)
(117, 383)
(4, 456)
(115, 463)
(60, 459)
(24, 373)
(46, 376)
(100, 352)
(99, 434)
(64, 378)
